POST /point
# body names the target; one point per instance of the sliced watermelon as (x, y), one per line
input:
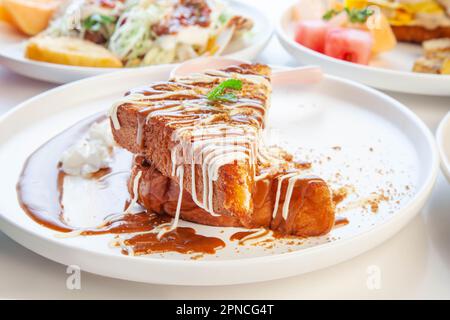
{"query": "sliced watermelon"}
(311, 34)
(349, 44)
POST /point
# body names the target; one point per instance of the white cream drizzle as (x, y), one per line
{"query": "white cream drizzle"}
(180, 174)
(139, 99)
(134, 98)
(167, 227)
(133, 201)
(260, 235)
(288, 196)
(277, 197)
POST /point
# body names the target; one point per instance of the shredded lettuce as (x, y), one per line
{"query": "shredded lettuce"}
(78, 17)
(96, 21)
(133, 38)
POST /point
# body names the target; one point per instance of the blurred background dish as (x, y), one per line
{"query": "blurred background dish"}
(28, 16)
(443, 140)
(362, 40)
(92, 37)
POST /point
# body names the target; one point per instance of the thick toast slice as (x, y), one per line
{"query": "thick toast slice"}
(310, 210)
(210, 146)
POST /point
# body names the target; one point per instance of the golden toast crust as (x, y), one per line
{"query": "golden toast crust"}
(417, 34)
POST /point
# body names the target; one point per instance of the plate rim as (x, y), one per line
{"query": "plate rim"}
(410, 209)
(440, 138)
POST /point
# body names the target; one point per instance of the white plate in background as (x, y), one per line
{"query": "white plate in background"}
(389, 71)
(372, 141)
(12, 56)
(443, 141)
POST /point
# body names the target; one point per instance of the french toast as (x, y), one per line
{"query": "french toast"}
(207, 154)
(175, 127)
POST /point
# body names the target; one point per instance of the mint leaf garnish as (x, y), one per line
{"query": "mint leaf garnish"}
(330, 14)
(218, 93)
(359, 15)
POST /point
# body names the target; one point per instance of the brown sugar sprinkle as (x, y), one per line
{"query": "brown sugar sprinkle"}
(341, 222)
(374, 201)
(337, 148)
(303, 165)
(339, 195)
(197, 257)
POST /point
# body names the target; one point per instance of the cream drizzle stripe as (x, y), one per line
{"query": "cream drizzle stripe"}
(141, 99)
(133, 201)
(287, 198)
(259, 236)
(277, 197)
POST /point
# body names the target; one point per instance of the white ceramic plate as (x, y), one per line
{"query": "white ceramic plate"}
(12, 56)
(389, 71)
(443, 140)
(354, 136)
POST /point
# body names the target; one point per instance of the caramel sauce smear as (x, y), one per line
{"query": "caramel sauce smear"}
(40, 191)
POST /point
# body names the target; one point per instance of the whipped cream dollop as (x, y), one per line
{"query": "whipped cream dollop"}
(91, 153)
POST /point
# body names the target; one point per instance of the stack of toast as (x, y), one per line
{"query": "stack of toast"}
(203, 160)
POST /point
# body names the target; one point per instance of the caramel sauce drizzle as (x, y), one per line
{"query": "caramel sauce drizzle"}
(40, 191)
(181, 240)
(252, 236)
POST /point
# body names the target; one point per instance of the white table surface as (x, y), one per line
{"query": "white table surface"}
(415, 263)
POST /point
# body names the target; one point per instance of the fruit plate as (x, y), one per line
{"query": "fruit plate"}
(443, 141)
(12, 56)
(354, 136)
(389, 71)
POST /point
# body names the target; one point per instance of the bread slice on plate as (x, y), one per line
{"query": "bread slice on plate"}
(436, 57)
(437, 48)
(70, 51)
(427, 65)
